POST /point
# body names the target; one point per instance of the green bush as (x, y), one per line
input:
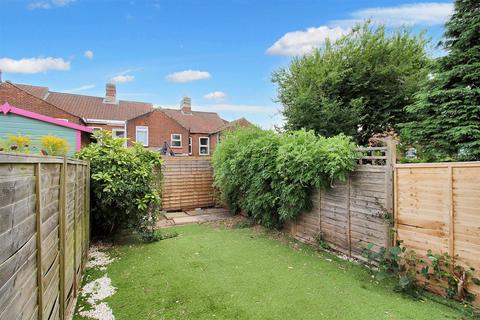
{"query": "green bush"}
(270, 176)
(125, 185)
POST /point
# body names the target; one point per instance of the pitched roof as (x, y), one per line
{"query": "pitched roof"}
(90, 107)
(241, 122)
(28, 98)
(95, 108)
(197, 122)
(37, 91)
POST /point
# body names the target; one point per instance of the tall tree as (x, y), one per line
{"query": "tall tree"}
(447, 110)
(358, 85)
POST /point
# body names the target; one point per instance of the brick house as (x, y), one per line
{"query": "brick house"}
(28, 101)
(183, 131)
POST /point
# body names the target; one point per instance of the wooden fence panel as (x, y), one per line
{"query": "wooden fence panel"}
(355, 213)
(188, 183)
(35, 201)
(437, 208)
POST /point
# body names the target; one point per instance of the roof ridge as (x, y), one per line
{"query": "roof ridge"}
(98, 97)
(53, 105)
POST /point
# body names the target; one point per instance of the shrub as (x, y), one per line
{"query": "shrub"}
(270, 175)
(18, 143)
(124, 185)
(54, 146)
(414, 274)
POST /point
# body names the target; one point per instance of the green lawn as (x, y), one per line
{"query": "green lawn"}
(212, 273)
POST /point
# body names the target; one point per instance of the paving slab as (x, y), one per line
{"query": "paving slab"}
(186, 220)
(198, 212)
(172, 215)
(165, 223)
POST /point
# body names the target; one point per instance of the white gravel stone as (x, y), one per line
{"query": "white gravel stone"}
(101, 312)
(98, 259)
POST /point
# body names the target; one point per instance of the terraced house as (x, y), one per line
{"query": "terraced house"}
(180, 131)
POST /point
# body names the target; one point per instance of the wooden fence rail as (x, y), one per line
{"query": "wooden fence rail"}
(437, 207)
(188, 183)
(44, 235)
(356, 213)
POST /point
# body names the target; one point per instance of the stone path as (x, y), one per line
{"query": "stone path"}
(170, 219)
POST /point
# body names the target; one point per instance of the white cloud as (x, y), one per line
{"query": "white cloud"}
(33, 65)
(188, 76)
(424, 14)
(301, 42)
(81, 88)
(122, 78)
(421, 14)
(49, 4)
(215, 95)
(88, 54)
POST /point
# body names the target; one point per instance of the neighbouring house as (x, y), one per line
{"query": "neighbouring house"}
(29, 114)
(182, 131)
(18, 121)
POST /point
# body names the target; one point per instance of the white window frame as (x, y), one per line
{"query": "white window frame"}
(190, 145)
(114, 130)
(137, 128)
(200, 146)
(171, 140)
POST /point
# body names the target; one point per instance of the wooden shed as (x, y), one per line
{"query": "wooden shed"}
(15, 120)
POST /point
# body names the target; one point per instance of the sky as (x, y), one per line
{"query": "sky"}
(221, 53)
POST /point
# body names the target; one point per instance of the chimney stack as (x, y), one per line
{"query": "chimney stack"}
(110, 93)
(186, 105)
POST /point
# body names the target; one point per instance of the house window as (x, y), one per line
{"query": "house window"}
(190, 145)
(119, 133)
(141, 135)
(176, 140)
(204, 146)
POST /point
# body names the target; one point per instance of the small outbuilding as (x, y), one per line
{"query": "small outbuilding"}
(15, 120)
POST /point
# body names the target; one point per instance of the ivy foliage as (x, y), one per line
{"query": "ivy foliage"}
(269, 175)
(415, 274)
(446, 111)
(358, 85)
(125, 184)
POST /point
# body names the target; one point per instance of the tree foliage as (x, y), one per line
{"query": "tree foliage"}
(270, 175)
(358, 85)
(447, 109)
(125, 185)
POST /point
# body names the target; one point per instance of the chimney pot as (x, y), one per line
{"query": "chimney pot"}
(110, 93)
(187, 105)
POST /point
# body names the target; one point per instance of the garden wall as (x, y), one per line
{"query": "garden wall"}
(353, 214)
(188, 183)
(437, 207)
(44, 232)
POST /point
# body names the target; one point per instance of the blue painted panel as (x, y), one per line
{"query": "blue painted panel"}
(15, 124)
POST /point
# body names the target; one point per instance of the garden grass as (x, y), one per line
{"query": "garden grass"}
(217, 273)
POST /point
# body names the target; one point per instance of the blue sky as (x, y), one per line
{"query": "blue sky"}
(221, 53)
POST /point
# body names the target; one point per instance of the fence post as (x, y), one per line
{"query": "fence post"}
(451, 227)
(38, 218)
(88, 203)
(349, 235)
(391, 155)
(75, 209)
(63, 185)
